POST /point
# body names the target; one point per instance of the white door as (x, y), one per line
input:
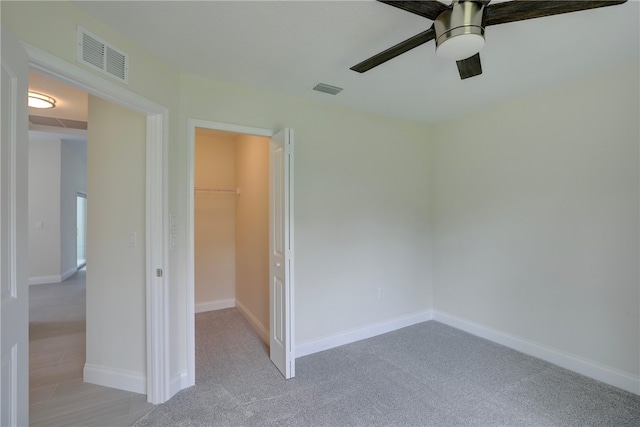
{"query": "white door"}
(14, 319)
(281, 252)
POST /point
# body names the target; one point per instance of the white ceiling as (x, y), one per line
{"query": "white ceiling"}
(289, 46)
(71, 103)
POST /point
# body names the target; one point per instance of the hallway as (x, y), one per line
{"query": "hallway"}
(57, 394)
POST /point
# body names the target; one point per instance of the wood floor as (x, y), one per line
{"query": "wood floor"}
(57, 394)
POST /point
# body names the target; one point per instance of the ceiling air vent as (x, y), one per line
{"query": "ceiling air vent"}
(323, 87)
(58, 123)
(101, 56)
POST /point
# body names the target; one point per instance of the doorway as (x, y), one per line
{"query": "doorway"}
(231, 225)
(279, 249)
(156, 381)
(69, 161)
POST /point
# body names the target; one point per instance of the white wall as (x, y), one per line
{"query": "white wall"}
(56, 173)
(44, 209)
(252, 230)
(116, 335)
(214, 221)
(536, 219)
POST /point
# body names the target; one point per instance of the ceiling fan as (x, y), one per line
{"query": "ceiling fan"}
(458, 29)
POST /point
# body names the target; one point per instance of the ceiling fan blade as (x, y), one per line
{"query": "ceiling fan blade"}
(519, 10)
(394, 51)
(427, 9)
(470, 67)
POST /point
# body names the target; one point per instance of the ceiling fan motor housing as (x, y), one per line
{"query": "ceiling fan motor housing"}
(460, 30)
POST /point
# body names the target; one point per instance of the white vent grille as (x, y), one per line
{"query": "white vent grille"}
(100, 55)
(116, 63)
(92, 51)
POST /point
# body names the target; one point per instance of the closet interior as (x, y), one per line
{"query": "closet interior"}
(231, 225)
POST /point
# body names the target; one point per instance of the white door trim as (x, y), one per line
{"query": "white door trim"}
(14, 292)
(192, 124)
(157, 311)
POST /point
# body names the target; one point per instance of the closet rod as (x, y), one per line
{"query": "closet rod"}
(219, 190)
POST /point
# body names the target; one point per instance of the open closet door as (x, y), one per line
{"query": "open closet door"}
(281, 252)
(14, 292)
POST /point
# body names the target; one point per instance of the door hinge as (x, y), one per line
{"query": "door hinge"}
(158, 272)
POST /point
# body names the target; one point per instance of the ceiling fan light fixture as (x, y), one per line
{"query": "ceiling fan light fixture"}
(460, 31)
(39, 100)
(461, 46)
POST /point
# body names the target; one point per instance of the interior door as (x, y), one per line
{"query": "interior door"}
(281, 252)
(14, 318)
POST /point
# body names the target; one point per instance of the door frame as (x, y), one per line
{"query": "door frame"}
(14, 349)
(156, 207)
(192, 124)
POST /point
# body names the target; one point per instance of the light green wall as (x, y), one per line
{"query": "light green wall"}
(361, 204)
(536, 218)
(116, 291)
(535, 203)
(51, 26)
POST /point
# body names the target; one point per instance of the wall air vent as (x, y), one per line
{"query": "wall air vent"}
(101, 56)
(323, 87)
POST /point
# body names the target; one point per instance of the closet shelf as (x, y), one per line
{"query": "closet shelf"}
(217, 190)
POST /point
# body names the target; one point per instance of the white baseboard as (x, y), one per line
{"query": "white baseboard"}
(115, 378)
(574, 363)
(215, 305)
(55, 278)
(70, 272)
(43, 280)
(178, 382)
(253, 321)
(314, 346)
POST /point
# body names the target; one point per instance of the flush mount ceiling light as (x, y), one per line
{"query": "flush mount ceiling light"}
(460, 31)
(38, 100)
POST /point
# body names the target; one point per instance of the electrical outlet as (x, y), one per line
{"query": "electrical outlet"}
(380, 293)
